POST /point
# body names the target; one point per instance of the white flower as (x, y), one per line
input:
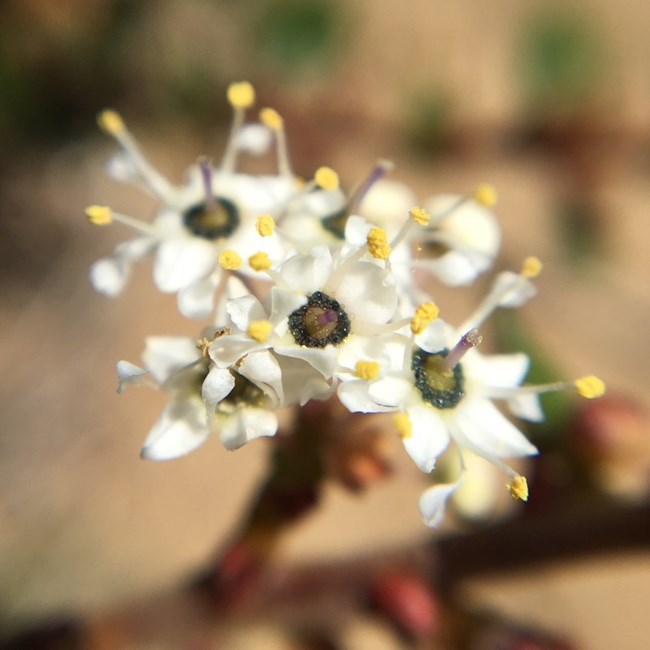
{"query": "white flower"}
(236, 403)
(213, 212)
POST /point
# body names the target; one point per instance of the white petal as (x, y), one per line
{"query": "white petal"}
(387, 203)
(452, 268)
(301, 382)
(197, 300)
(526, 406)
(307, 273)
(165, 355)
(389, 391)
(368, 293)
(356, 231)
(128, 373)
(180, 429)
(435, 337)
(109, 275)
(244, 310)
(354, 396)
(482, 428)
(217, 386)
(183, 261)
(512, 289)
(429, 437)
(433, 501)
(226, 350)
(254, 139)
(322, 359)
(498, 370)
(244, 425)
(263, 370)
(284, 302)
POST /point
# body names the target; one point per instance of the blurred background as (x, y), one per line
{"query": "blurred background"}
(548, 101)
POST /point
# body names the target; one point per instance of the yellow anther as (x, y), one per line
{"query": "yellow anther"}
(378, 244)
(531, 267)
(425, 314)
(260, 261)
(420, 215)
(204, 345)
(265, 225)
(230, 260)
(367, 370)
(518, 488)
(100, 215)
(241, 94)
(403, 425)
(260, 330)
(327, 178)
(486, 195)
(111, 122)
(271, 118)
(590, 386)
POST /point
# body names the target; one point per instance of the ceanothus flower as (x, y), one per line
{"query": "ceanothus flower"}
(214, 212)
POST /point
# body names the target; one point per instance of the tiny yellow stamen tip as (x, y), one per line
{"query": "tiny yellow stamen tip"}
(486, 195)
(327, 178)
(271, 118)
(204, 346)
(260, 261)
(518, 488)
(241, 94)
(403, 425)
(420, 215)
(260, 330)
(367, 370)
(111, 122)
(590, 386)
(230, 260)
(100, 215)
(265, 225)
(378, 244)
(425, 314)
(531, 267)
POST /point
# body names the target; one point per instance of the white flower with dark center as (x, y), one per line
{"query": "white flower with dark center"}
(214, 212)
(319, 304)
(443, 389)
(235, 403)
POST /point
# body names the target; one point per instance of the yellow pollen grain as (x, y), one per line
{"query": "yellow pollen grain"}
(111, 122)
(367, 370)
(531, 267)
(230, 260)
(259, 330)
(99, 215)
(241, 94)
(420, 215)
(204, 345)
(260, 261)
(486, 195)
(327, 178)
(403, 425)
(590, 386)
(378, 244)
(265, 225)
(518, 488)
(425, 314)
(271, 118)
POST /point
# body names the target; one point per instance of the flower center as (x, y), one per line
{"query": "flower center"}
(212, 219)
(319, 322)
(440, 386)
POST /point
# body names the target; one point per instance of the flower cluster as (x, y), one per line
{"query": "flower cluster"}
(312, 295)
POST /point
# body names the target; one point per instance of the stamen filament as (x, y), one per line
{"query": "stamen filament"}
(241, 96)
(468, 341)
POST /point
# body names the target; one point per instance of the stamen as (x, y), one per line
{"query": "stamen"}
(417, 215)
(403, 425)
(420, 215)
(260, 261)
(327, 179)
(260, 330)
(378, 244)
(112, 124)
(100, 215)
(265, 225)
(241, 95)
(367, 370)
(425, 314)
(206, 173)
(273, 120)
(590, 387)
(518, 488)
(468, 341)
(486, 195)
(230, 260)
(531, 267)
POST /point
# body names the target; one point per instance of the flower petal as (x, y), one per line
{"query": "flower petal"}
(109, 275)
(433, 501)
(128, 373)
(429, 436)
(183, 261)
(217, 386)
(197, 300)
(166, 355)
(389, 391)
